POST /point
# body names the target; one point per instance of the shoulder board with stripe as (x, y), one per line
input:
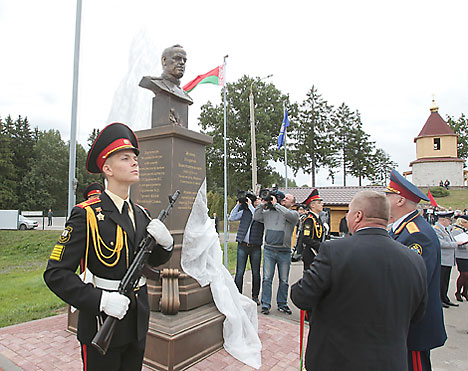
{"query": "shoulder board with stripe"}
(145, 210)
(403, 225)
(412, 228)
(89, 202)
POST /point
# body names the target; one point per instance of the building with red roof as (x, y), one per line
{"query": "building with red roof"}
(436, 154)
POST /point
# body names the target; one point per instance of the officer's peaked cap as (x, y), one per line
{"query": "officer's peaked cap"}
(93, 189)
(113, 138)
(314, 195)
(403, 187)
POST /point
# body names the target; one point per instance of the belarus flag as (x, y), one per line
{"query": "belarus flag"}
(215, 76)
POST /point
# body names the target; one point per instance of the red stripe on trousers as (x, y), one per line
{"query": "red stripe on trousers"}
(416, 360)
(85, 356)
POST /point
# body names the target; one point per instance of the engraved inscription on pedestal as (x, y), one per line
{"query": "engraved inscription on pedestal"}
(152, 173)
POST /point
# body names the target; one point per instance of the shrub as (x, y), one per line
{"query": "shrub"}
(440, 192)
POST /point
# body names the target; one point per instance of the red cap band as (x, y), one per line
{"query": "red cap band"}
(94, 192)
(402, 191)
(310, 199)
(117, 145)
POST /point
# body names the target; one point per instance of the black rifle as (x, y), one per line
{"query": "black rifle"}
(103, 337)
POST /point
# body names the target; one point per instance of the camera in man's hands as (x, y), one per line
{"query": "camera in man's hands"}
(242, 197)
(266, 195)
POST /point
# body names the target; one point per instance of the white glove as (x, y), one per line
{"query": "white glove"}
(114, 304)
(160, 233)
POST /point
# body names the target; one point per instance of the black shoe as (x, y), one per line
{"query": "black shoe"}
(459, 297)
(255, 299)
(265, 311)
(451, 303)
(296, 257)
(445, 305)
(285, 309)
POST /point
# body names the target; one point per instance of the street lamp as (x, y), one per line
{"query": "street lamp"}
(252, 135)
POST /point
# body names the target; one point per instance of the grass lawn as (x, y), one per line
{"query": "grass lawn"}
(23, 257)
(457, 199)
(23, 293)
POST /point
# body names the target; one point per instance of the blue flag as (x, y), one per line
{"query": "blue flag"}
(284, 125)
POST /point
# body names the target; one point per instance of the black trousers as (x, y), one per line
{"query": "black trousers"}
(444, 282)
(128, 357)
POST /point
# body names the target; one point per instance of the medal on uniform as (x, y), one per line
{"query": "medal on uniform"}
(100, 217)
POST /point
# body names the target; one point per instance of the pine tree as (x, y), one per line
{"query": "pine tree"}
(312, 148)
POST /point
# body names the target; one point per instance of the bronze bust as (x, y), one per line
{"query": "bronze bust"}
(173, 61)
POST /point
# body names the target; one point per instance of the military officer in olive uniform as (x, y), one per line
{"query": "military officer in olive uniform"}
(411, 229)
(101, 237)
(312, 231)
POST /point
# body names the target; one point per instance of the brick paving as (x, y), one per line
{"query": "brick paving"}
(46, 345)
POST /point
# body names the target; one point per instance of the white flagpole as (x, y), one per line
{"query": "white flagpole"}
(285, 151)
(72, 182)
(226, 238)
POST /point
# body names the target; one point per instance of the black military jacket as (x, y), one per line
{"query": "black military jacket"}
(98, 238)
(311, 237)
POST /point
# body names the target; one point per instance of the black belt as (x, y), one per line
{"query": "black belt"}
(248, 244)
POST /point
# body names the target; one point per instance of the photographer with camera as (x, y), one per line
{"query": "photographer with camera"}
(274, 211)
(249, 241)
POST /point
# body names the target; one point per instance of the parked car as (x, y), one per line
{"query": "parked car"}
(25, 223)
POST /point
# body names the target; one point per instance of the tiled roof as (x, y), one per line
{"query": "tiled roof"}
(435, 125)
(331, 195)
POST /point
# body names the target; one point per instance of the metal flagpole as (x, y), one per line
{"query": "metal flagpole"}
(285, 151)
(72, 182)
(225, 172)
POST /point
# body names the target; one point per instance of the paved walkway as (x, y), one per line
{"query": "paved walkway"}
(46, 345)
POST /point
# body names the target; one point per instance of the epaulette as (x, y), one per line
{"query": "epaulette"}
(403, 225)
(412, 228)
(145, 210)
(89, 202)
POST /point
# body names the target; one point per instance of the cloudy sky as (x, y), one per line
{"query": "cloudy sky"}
(385, 59)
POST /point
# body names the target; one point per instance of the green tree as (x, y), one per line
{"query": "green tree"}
(311, 148)
(352, 144)
(268, 117)
(92, 137)
(8, 196)
(382, 165)
(359, 151)
(46, 184)
(460, 127)
(22, 141)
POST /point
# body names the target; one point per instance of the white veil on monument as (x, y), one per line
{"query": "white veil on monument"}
(201, 259)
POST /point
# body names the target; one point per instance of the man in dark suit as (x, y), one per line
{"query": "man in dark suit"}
(102, 236)
(363, 292)
(412, 230)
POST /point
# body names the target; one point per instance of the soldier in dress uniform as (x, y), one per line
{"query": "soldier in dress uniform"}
(101, 237)
(93, 190)
(312, 233)
(411, 229)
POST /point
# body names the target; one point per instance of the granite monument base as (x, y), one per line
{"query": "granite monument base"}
(177, 342)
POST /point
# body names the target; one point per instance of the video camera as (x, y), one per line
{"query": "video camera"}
(242, 197)
(265, 195)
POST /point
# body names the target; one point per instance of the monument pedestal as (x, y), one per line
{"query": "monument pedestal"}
(177, 342)
(173, 157)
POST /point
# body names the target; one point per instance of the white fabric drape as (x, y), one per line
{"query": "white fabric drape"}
(201, 258)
